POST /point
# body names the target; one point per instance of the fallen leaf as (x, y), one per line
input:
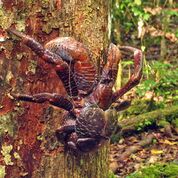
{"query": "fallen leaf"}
(169, 143)
(156, 152)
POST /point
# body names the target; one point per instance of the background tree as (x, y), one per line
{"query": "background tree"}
(152, 26)
(28, 145)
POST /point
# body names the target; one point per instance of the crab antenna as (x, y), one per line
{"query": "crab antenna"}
(135, 77)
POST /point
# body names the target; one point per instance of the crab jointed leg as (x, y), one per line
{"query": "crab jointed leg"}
(36, 47)
(54, 99)
(61, 67)
(135, 77)
(63, 133)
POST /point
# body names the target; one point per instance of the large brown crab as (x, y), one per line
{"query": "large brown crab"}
(91, 115)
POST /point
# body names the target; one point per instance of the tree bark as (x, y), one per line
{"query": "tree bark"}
(28, 145)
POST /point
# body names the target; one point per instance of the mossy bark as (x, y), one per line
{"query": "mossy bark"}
(143, 120)
(30, 148)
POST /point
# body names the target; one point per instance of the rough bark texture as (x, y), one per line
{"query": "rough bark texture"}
(28, 145)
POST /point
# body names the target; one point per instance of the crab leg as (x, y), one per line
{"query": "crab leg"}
(135, 77)
(86, 144)
(64, 132)
(54, 99)
(61, 67)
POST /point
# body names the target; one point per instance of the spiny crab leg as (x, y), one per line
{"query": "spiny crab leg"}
(54, 99)
(47, 55)
(135, 77)
(61, 67)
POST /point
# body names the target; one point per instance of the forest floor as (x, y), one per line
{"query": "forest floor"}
(132, 153)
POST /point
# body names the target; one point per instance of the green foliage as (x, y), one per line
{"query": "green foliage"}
(177, 33)
(131, 16)
(129, 13)
(115, 138)
(140, 106)
(163, 80)
(111, 175)
(142, 125)
(127, 63)
(175, 122)
(157, 171)
(171, 12)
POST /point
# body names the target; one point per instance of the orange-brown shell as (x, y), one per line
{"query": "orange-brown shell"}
(84, 70)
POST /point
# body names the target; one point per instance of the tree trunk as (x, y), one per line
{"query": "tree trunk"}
(28, 145)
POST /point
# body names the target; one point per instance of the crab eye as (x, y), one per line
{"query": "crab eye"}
(107, 77)
(106, 81)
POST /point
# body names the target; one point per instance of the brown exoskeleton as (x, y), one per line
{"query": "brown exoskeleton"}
(91, 115)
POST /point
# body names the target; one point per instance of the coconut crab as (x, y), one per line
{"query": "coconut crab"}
(91, 115)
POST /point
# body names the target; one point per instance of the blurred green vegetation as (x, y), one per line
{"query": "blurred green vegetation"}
(151, 26)
(169, 170)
